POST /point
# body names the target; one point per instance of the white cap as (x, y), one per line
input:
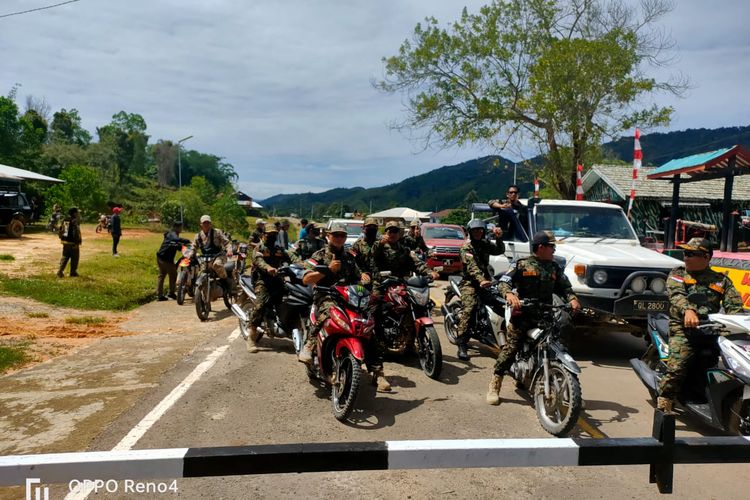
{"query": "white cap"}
(260, 221)
(205, 218)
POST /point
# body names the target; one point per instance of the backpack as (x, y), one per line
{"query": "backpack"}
(64, 230)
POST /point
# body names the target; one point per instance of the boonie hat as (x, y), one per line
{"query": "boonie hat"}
(393, 223)
(337, 227)
(699, 245)
(260, 221)
(544, 238)
(414, 223)
(205, 218)
(270, 229)
(370, 221)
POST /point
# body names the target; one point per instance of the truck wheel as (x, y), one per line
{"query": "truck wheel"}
(15, 228)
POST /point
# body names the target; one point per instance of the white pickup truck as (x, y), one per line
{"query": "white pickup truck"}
(602, 256)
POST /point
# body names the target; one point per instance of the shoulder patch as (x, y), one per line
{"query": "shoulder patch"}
(717, 287)
(678, 279)
(530, 272)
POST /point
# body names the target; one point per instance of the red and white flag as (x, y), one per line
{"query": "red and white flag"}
(536, 187)
(637, 157)
(579, 182)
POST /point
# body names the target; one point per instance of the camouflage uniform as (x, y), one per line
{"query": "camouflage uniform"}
(475, 257)
(269, 290)
(308, 246)
(256, 238)
(71, 245)
(533, 279)
(680, 283)
(213, 243)
(362, 250)
(415, 243)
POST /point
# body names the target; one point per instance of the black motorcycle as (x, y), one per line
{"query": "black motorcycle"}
(290, 318)
(208, 287)
(487, 319)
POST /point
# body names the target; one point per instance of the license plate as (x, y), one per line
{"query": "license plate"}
(650, 305)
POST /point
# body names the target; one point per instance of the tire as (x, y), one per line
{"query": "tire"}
(202, 301)
(561, 414)
(451, 322)
(15, 228)
(430, 352)
(227, 299)
(181, 278)
(344, 392)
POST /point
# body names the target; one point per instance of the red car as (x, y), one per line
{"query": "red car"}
(444, 242)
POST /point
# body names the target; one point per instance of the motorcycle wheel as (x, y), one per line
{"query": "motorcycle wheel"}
(190, 287)
(430, 352)
(558, 414)
(202, 301)
(451, 322)
(181, 278)
(228, 299)
(346, 388)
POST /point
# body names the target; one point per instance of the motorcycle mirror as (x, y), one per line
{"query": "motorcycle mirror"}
(698, 298)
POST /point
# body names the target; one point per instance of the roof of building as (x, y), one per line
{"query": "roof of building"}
(620, 179)
(19, 174)
(711, 164)
(400, 212)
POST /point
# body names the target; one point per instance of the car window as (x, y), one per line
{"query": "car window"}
(443, 233)
(353, 229)
(583, 221)
(9, 200)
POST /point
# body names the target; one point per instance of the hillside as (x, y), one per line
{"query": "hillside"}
(448, 186)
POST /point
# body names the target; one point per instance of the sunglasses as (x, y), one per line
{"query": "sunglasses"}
(512, 192)
(392, 230)
(338, 235)
(694, 253)
(548, 245)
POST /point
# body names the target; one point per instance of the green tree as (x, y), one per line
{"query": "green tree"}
(9, 130)
(458, 216)
(126, 133)
(217, 172)
(66, 128)
(82, 189)
(560, 73)
(227, 215)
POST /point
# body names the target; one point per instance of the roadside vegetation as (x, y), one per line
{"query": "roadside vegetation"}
(12, 355)
(5, 256)
(85, 320)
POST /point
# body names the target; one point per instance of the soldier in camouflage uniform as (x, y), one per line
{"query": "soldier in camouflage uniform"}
(269, 288)
(536, 277)
(389, 254)
(310, 244)
(256, 238)
(475, 257)
(212, 241)
(414, 240)
(343, 270)
(362, 248)
(694, 277)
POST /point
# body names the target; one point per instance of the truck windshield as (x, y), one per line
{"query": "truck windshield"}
(443, 233)
(583, 221)
(354, 229)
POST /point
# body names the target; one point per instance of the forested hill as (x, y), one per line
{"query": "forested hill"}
(445, 187)
(448, 187)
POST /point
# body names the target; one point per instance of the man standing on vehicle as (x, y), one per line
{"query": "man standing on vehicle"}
(694, 277)
(414, 239)
(475, 257)
(70, 235)
(390, 254)
(212, 241)
(269, 288)
(536, 277)
(509, 211)
(362, 248)
(165, 261)
(116, 229)
(342, 270)
(257, 236)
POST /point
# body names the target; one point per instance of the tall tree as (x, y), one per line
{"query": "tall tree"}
(127, 134)
(9, 130)
(165, 157)
(561, 74)
(66, 128)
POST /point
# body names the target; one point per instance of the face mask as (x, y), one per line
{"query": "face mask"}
(270, 240)
(371, 232)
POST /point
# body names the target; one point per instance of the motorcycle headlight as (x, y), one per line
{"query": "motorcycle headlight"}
(600, 276)
(658, 285)
(638, 285)
(420, 295)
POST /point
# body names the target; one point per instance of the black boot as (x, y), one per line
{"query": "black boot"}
(462, 354)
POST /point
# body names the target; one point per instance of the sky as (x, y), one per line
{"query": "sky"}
(282, 88)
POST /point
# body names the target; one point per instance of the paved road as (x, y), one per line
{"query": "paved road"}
(265, 398)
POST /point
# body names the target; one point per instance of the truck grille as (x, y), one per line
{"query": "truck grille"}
(448, 250)
(616, 275)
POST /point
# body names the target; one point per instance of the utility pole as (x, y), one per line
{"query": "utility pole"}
(179, 170)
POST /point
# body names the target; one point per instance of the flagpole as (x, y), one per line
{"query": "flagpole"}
(637, 158)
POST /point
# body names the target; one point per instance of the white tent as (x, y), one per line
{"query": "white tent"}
(19, 174)
(407, 214)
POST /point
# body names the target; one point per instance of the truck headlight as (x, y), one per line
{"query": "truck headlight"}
(658, 285)
(638, 285)
(600, 276)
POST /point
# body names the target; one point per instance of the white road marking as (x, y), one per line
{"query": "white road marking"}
(165, 404)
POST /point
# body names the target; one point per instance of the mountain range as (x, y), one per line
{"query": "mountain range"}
(488, 177)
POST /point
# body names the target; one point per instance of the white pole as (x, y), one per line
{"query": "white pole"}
(179, 169)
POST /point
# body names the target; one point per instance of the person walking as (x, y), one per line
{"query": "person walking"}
(70, 235)
(166, 263)
(115, 229)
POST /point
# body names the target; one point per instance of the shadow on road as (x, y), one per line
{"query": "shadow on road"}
(375, 410)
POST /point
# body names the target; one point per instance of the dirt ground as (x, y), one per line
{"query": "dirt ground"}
(43, 328)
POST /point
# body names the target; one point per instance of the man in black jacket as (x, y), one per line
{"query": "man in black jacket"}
(165, 260)
(116, 229)
(70, 236)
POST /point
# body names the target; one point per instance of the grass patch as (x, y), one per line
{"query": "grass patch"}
(105, 283)
(37, 315)
(5, 256)
(12, 356)
(85, 320)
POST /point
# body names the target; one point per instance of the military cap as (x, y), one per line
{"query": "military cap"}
(260, 221)
(205, 218)
(414, 223)
(284, 222)
(393, 223)
(270, 229)
(544, 238)
(337, 227)
(370, 221)
(699, 245)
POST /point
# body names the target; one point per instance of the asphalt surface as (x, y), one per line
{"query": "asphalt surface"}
(265, 398)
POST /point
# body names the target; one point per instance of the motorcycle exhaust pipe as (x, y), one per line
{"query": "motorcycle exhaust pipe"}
(237, 311)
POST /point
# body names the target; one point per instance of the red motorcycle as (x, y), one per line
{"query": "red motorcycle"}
(342, 344)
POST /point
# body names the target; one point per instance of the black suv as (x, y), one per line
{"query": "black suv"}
(15, 212)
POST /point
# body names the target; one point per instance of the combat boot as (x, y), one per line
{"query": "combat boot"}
(493, 393)
(378, 379)
(665, 405)
(305, 354)
(251, 339)
(463, 355)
